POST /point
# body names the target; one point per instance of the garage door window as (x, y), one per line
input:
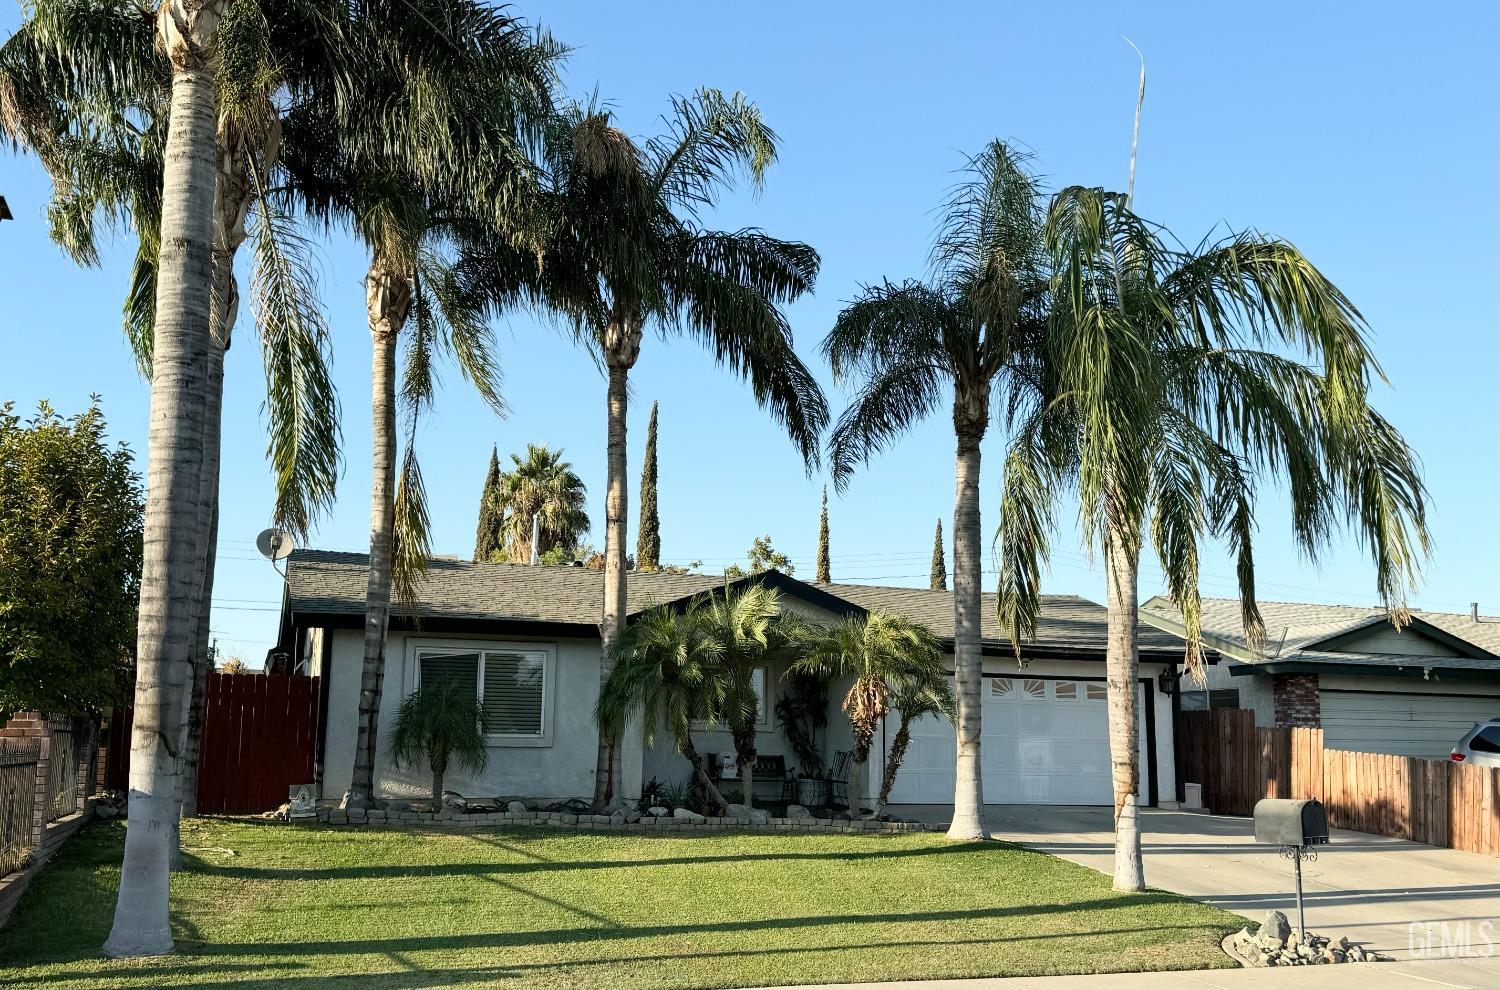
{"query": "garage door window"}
(1034, 688)
(1065, 690)
(1096, 692)
(1001, 687)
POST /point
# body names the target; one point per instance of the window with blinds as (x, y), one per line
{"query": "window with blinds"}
(510, 685)
(512, 698)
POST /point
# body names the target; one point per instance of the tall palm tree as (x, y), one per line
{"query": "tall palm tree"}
(625, 251)
(907, 344)
(1170, 383)
(465, 98)
(666, 668)
(83, 85)
(542, 487)
(914, 697)
(872, 651)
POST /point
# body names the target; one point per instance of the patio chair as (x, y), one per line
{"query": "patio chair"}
(838, 778)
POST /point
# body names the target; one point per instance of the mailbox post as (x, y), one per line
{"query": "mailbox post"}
(1295, 826)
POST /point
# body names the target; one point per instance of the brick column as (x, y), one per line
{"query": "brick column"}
(33, 725)
(1296, 698)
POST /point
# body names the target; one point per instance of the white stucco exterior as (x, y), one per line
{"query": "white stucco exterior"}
(558, 764)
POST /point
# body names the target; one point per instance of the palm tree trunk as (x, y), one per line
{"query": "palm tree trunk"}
(612, 622)
(169, 580)
(234, 194)
(968, 661)
(700, 774)
(1121, 667)
(744, 751)
(387, 300)
(893, 762)
(437, 789)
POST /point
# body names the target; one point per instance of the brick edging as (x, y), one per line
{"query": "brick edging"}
(449, 819)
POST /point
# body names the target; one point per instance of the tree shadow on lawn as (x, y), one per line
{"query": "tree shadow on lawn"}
(538, 865)
(416, 977)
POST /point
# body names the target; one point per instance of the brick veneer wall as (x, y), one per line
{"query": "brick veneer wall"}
(1296, 698)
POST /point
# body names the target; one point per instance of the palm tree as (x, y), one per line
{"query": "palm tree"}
(625, 251)
(666, 668)
(1163, 393)
(907, 344)
(914, 697)
(473, 90)
(751, 633)
(441, 725)
(542, 487)
(872, 650)
(83, 85)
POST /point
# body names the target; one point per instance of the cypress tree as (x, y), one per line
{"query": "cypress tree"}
(823, 573)
(488, 535)
(939, 578)
(648, 543)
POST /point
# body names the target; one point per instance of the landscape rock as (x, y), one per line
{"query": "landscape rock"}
(658, 812)
(683, 814)
(517, 808)
(1274, 930)
(632, 816)
(798, 813)
(454, 801)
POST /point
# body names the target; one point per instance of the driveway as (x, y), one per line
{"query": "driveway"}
(1395, 896)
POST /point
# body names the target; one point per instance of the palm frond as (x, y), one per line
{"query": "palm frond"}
(301, 405)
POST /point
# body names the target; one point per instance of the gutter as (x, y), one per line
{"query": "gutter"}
(1426, 672)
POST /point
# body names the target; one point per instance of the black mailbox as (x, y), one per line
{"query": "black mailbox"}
(1280, 822)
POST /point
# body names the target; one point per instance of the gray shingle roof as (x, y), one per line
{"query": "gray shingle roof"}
(1294, 630)
(321, 582)
(1064, 621)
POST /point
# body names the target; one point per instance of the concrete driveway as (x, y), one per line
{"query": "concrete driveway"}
(1399, 897)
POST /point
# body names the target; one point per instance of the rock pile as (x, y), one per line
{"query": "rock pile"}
(1276, 943)
(110, 804)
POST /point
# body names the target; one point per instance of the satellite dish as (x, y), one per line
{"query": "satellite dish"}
(274, 544)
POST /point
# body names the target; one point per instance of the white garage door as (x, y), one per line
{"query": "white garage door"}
(1042, 741)
(1410, 724)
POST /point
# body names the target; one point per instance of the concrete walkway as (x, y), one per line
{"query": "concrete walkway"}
(1401, 898)
(1469, 974)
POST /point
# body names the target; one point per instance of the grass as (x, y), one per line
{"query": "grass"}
(261, 905)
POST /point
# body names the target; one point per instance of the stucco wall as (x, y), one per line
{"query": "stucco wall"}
(562, 765)
(559, 765)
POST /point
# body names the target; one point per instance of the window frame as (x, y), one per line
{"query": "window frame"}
(415, 648)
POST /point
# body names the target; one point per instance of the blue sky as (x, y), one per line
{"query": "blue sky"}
(1368, 141)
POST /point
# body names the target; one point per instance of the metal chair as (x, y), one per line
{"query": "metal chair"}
(838, 778)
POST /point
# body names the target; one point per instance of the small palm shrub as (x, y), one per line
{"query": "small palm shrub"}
(441, 724)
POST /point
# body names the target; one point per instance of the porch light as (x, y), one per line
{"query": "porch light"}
(1168, 679)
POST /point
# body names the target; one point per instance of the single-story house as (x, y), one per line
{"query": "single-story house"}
(1371, 687)
(530, 636)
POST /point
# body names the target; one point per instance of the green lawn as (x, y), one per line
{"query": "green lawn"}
(265, 905)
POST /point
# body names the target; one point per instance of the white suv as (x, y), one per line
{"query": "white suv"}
(1480, 745)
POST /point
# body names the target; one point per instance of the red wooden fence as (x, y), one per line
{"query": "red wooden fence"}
(1433, 801)
(260, 735)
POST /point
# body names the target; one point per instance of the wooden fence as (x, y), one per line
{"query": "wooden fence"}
(260, 735)
(1438, 802)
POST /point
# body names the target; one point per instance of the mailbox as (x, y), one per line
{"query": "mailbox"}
(1280, 822)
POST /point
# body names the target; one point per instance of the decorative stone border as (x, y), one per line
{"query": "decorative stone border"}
(609, 823)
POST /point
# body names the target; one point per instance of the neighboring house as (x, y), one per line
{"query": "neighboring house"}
(529, 638)
(1347, 669)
